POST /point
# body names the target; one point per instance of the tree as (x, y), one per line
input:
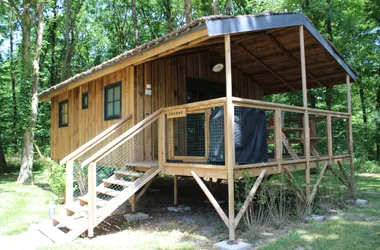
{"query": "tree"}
(26, 169)
(215, 7)
(135, 26)
(188, 11)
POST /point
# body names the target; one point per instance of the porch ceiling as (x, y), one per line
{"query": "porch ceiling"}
(272, 59)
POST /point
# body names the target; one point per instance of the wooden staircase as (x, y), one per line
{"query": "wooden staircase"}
(110, 194)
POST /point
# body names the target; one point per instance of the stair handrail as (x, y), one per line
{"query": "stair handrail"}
(95, 141)
(122, 138)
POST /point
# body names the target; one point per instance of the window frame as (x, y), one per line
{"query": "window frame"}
(84, 105)
(60, 106)
(106, 101)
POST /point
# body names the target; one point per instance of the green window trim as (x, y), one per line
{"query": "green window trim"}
(112, 101)
(85, 100)
(63, 113)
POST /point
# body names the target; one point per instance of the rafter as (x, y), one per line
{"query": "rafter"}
(293, 57)
(265, 66)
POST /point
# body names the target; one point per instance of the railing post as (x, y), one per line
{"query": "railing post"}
(69, 182)
(278, 136)
(229, 138)
(91, 198)
(329, 139)
(306, 114)
(349, 121)
(161, 141)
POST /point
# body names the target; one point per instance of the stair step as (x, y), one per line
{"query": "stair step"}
(52, 232)
(107, 191)
(129, 173)
(70, 222)
(75, 208)
(99, 202)
(117, 182)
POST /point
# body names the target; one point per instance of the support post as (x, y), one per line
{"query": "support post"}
(229, 142)
(161, 141)
(132, 201)
(306, 114)
(329, 139)
(91, 198)
(349, 122)
(175, 178)
(69, 183)
(278, 136)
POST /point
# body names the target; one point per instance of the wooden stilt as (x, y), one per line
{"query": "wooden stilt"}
(229, 135)
(175, 178)
(314, 192)
(132, 200)
(306, 114)
(211, 198)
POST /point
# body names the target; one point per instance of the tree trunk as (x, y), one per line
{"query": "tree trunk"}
(362, 101)
(13, 80)
(3, 163)
(188, 11)
(215, 7)
(378, 123)
(229, 7)
(26, 169)
(135, 24)
(168, 15)
(331, 37)
(53, 36)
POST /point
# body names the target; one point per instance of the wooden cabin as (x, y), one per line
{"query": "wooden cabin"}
(191, 103)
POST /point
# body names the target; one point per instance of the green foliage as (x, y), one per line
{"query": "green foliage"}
(57, 178)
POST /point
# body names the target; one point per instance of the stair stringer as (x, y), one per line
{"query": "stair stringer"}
(114, 203)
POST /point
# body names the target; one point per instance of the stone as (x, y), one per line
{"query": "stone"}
(332, 211)
(223, 245)
(135, 217)
(360, 202)
(318, 218)
(180, 208)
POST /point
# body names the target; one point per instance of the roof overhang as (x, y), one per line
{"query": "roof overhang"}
(241, 24)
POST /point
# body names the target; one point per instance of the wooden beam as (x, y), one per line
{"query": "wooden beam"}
(314, 192)
(132, 201)
(144, 55)
(349, 124)
(249, 198)
(145, 188)
(249, 53)
(175, 179)
(278, 136)
(161, 141)
(69, 183)
(329, 139)
(306, 114)
(211, 198)
(91, 199)
(292, 56)
(229, 135)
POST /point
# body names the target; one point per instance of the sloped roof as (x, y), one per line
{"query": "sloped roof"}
(216, 26)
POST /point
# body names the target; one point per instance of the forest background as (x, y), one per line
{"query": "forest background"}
(45, 42)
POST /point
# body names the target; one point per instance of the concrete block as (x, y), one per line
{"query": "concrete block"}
(318, 217)
(223, 245)
(135, 217)
(180, 208)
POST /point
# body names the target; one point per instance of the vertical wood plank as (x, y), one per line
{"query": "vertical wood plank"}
(306, 115)
(91, 198)
(161, 141)
(229, 135)
(349, 123)
(329, 139)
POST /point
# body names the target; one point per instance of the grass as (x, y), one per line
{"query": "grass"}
(356, 228)
(21, 205)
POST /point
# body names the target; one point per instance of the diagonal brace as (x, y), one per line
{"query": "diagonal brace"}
(210, 197)
(249, 198)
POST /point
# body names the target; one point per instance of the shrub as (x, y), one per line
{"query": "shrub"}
(57, 178)
(278, 207)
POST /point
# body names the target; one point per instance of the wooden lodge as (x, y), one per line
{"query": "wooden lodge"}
(178, 105)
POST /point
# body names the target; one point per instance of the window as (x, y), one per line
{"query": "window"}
(64, 113)
(85, 100)
(112, 101)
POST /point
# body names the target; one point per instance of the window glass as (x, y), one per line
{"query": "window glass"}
(112, 101)
(63, 113)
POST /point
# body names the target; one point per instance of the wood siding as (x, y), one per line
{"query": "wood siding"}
(85, 124)
(167, 77)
